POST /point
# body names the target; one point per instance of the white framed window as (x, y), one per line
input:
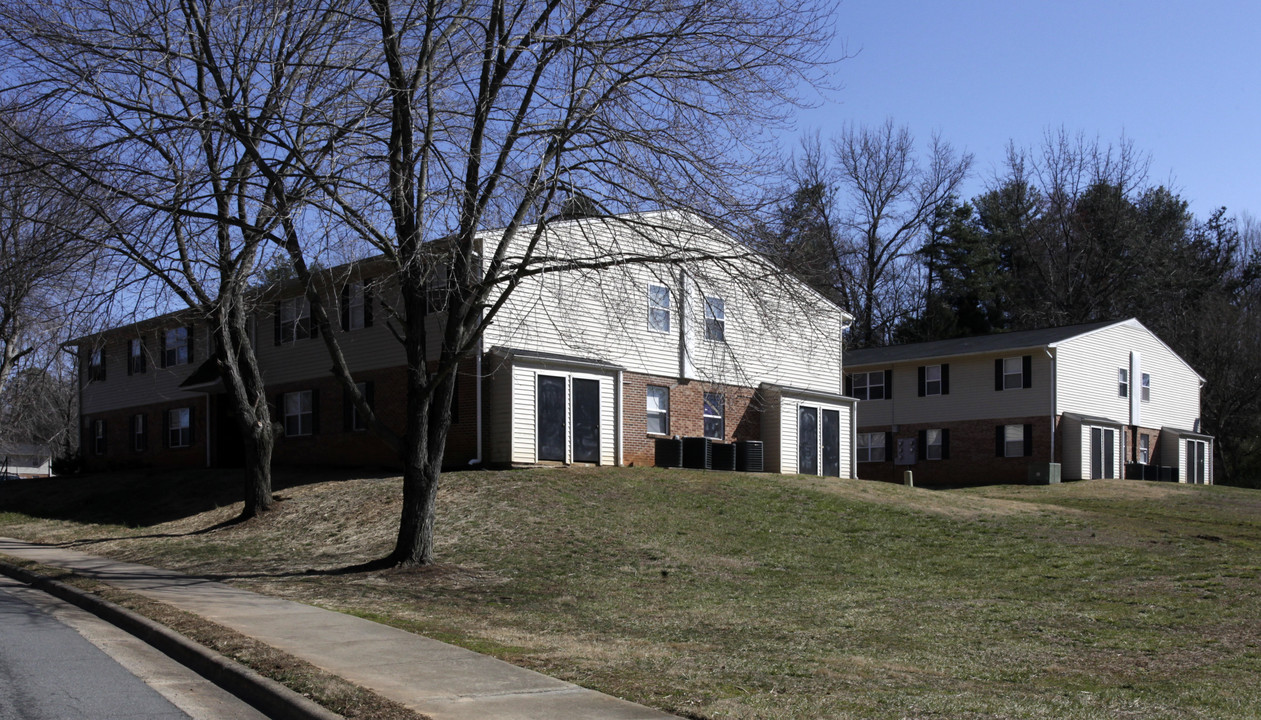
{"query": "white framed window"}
(98, 437)
(1013, 373)
(932, 380)
(871, 447)
(354, 305)
(179, 427)
(932, 444)
(139, 432)
(1147, 388)
(96, 365)
(1144, 448)
(135, 357)
(1013, 440)
(293, 320)
(868, 385)
(176, 347)
(714, 416)
(715, 319)
(659, 308)
(1123, 382)
(658, 410)
(299, 413)
(358, 421)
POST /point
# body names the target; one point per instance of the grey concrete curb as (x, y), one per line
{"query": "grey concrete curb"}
(268, 696)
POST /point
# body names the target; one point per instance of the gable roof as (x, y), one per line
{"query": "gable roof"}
(977, 345)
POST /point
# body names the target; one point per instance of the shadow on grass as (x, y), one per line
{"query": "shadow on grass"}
(144, 498)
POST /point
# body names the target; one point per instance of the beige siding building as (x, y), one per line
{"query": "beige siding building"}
(684, 333)
(1100, 400)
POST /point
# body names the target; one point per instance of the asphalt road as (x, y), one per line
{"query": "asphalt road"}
(50, 670)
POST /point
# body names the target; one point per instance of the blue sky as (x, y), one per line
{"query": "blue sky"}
(1181, 79)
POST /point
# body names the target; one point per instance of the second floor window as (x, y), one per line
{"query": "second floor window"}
(869, 385)
(658, 410)
(1123, 382)
(136, 363)
(96, 365)
(177, 347)
(356, 306)
(1147, 388)
(659, 308)
(715, 319)
(293, 320)
(714, 414)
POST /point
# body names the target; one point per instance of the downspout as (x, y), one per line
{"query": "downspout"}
(617, 421)
(1051, 357)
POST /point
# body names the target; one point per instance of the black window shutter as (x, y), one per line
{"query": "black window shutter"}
(945, 444)
(127, 357)
(1026, 369)
(888, 384)
(192, 425)
(998, 373)
(999, 438)
(348, 415)
(104, 437)
(276, 323)
(367, 394)
(888, 446)
(315, 411)
(922, 383)
(166, 428)
(278, 411)
(162, 348)
(190, 343)
(345, 307)
(945, 379)
(1028, 439)
(849, 386)
(367, 306)
(921, 446)
(144, 436)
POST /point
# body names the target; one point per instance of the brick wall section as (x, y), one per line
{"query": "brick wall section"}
(332, 443)
(743, 413)
(120, 452)
(972, 458)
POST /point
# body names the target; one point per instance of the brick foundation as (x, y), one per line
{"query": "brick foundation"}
(972, 460)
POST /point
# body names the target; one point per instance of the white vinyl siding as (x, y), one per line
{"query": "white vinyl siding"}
(520, 428)
(780, 417)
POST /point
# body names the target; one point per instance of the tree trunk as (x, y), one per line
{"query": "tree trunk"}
(257, 471)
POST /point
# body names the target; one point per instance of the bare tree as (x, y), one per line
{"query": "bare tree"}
(172, 102)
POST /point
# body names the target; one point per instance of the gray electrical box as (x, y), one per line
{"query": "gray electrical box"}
(1044, 473)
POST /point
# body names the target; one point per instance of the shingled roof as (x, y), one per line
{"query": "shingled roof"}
(980, 344)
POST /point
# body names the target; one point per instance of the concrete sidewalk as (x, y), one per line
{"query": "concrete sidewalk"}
(440, 680)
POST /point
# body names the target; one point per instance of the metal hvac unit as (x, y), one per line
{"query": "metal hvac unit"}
(668, 452)
(697, 453)
(749, 455)
(722, 456)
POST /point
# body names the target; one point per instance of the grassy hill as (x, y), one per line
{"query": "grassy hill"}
(722, 595)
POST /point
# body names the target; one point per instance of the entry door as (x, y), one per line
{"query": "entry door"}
(550, 427)
(830, 427)
(1196, 461)
(808, 440)
(586, 420)
(1102, 458)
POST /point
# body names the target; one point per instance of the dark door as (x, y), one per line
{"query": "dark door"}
(1196, 450)
(830, 428)
(551, 418)
(586, 420)
(808, 441)
(1101, 456)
